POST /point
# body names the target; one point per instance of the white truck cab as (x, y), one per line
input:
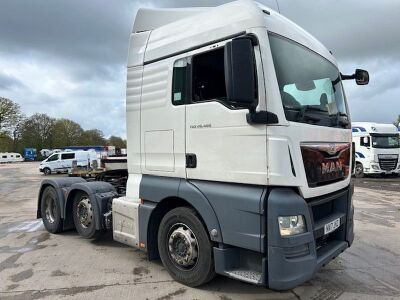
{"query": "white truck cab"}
(239, 150)
(62, 161)
(377, 148)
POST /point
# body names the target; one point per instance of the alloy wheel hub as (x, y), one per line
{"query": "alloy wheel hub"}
(84, 212)
(183, 247)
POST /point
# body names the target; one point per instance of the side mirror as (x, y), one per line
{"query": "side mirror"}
(362, 77)
(365, 140)
(240, 74)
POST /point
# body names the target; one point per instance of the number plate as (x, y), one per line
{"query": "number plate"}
(332, 226)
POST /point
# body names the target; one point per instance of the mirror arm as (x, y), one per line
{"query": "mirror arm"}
(348, 77)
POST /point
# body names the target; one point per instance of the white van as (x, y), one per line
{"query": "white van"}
(62, 161)
(10, 157)
(377, 148)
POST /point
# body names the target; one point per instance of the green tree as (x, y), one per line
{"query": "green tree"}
(397, 122)
(10, 115)
(67, 133)
(6, 143)
(37, 131)
(92, 137)
(117, 142)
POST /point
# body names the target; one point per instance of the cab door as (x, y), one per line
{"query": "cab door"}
(220, 144)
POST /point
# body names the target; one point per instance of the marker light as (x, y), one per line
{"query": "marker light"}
(291, 225)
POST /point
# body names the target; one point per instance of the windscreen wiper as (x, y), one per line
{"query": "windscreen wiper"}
(340, 119)
(304, 110)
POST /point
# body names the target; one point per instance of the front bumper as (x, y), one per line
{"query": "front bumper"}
(294, 260)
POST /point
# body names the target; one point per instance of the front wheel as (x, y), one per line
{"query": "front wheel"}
(185, 248)
(85, 216)
(359, 170)
(46, 171)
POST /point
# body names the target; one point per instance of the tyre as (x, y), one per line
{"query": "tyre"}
(50, 210)
(46, 171)
(84, 216)
(185, 248)
(359, 170)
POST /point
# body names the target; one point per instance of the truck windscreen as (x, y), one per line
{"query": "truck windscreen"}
(385, 141)
(310, 85)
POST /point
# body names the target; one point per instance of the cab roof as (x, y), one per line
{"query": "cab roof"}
(172, 30)
(370, 127)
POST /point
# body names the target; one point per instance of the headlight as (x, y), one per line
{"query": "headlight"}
(291, 225)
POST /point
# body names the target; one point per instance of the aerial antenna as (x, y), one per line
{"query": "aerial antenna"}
(277, 4)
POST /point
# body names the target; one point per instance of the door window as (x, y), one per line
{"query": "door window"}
(200, 78)
(54, 157)
(209, 76)
(365, 141)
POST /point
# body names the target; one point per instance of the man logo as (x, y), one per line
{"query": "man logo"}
(331, 167)
(332, 149)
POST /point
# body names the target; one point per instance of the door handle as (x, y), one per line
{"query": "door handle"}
(191, 160)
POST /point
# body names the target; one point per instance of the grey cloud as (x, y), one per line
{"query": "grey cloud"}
(8, 82)
(87, 42)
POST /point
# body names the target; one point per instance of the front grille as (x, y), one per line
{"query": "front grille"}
(324, 210)
(387, 164)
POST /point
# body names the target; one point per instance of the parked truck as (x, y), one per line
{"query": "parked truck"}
(239, 150)
(377, 149)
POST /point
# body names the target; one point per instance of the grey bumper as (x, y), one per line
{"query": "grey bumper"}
(294, 260)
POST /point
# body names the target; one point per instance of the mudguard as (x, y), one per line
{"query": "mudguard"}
(62, 187)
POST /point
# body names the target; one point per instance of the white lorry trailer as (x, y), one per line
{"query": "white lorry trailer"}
(239, 150)
(377, 148)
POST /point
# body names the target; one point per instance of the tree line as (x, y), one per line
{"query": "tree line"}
(41, 131)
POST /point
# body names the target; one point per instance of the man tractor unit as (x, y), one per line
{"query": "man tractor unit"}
(239, 150)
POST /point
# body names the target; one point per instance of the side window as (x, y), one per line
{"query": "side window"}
(68, 156)
(18, 156)
(208, 76)
(4, 156)
(365, 141)
(179, 82)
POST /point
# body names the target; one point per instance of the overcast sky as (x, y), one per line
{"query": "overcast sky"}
(66, 58)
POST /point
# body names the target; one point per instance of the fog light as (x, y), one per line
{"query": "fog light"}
(375, 167)
(291, 225)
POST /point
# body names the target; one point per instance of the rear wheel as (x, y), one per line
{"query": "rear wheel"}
(359, 170)
(50, 210)
(84, 216)
(185, 248)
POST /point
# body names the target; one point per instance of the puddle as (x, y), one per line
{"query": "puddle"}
(17, 227)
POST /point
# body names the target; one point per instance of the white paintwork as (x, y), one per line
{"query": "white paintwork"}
(125, 221)
(9, 157)
(83, 159)
(369, 156)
